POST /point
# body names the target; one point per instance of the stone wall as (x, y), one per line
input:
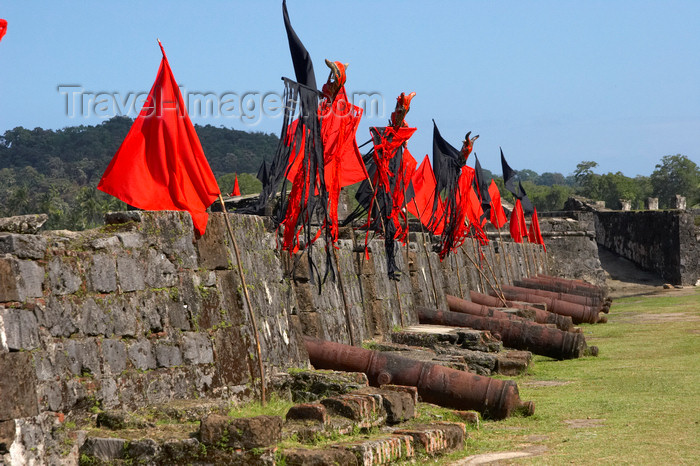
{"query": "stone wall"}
(572, 250)
(666, 242)
(141, 312)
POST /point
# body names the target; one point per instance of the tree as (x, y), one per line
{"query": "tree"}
(587, 181)
(550, 179)
(676, 174)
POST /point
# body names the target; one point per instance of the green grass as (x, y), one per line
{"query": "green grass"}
(644, 389)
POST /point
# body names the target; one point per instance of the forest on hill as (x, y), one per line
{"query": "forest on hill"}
(56, 172)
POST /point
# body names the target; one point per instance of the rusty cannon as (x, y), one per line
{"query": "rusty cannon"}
(574, 286)
(456, 304)
(548, 285)
(523, 334)
(571, 298)
(577, 312)
(541, 316)
(436, 384)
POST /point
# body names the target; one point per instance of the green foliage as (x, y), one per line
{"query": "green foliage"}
(676, 174)
(56, 171)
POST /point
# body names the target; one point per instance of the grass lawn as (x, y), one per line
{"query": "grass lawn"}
(638, 402)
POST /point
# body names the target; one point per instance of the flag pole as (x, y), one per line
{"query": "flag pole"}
(256, 335)
(505, 255)
(481, 280)
(427, 256)
(495, 278)
(481, 273)
(459, 279)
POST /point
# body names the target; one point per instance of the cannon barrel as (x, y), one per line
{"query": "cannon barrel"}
(436, 384)
(578, 285)
(577, 312)
(550, 285)
(572, 298)
(456, 304)
(541, 316)
(522, 334)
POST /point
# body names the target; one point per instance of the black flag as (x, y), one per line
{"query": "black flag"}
(508, 176)
(483, 189)
(303, 66)
(525, 202)
(262, 174)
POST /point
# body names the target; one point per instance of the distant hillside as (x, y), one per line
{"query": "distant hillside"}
(56, 171)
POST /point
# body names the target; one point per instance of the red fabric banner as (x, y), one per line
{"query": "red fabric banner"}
(421, 205)
(498, 216)
(518, 228)
(161, 164)
(534, 234)
(3, 28)
(236, 189)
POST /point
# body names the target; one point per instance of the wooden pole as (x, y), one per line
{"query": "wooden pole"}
(459, 279)
(348, 321)
(505, 256)
(427, 256)
(495, 279)
(482, 274)
(249, 305)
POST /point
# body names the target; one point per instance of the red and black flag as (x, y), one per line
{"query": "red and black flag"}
(383, 195)
(3, 28)
(161, 164)
(453, 179)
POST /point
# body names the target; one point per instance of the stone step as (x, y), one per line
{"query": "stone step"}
(399, 445)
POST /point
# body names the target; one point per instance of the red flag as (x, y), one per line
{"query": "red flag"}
(421, 205)
(534, 234)
(236, 190)
(498, 216)
(161, 164)
(3, 28)
(518, 228)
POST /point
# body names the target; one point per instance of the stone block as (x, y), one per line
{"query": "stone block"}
(64, 277)
(108, 242)
(130, 273)
(678, 202)
(104, 449)
(114, 356)
(652, 203)
(28, 224)
(131, 240)
(197, 348)
(21, 329)
(167, 355)
(400, 406)
(367, 410)
(160, 272)
(319, 457)
(141, 355)
(436, 437)
(92, 320)
(7, 435)
(383, 450)
(20, 279)
(83, 357)
(412, 391)
(172, 233)
(23, 246)
(213, 247)
(308, 412)
(469, 417)
(17, 386)
(246, 433)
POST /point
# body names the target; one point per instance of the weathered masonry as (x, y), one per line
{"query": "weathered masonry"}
(139, 312)
(664, 241)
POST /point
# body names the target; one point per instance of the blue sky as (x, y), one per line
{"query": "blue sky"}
(552, 82)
